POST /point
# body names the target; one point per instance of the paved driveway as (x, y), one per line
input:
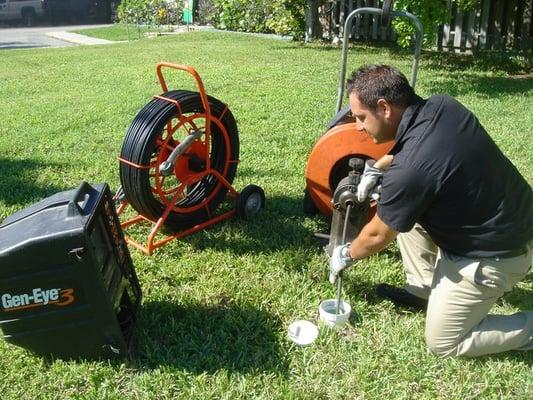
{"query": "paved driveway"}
(23, 38)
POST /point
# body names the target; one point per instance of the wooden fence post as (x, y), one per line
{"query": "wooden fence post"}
(342, 16)
(526, 25)
(484, 26)
(375, 21)
(350, 9)
(357, 30)
(458, 32)
(470, 30)
(446, 29)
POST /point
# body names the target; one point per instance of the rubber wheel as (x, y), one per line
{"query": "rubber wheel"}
(28, 17)
(156, 130)
(250, 201)
(309, 206)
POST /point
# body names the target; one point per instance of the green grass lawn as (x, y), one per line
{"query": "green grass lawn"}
(123, 32)
(217, 305)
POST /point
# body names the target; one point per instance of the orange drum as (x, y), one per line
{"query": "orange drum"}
(328, 161)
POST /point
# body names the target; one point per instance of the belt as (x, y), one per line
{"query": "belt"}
(515, 253)
(518, 252)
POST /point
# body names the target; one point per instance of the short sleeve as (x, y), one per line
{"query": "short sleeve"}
(405, 195)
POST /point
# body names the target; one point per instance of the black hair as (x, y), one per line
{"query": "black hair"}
(378, 81)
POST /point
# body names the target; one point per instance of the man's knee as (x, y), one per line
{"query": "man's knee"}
(441, 346)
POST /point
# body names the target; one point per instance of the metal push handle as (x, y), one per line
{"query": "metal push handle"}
(380, 12)
(167, 166)
(195, 75)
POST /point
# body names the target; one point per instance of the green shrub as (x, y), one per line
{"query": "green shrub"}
(432, 14)
(287, 17)
(284, 17)
(150, 12)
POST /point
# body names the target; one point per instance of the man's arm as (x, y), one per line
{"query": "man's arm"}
(373, 237)
(384, 162)
(371, 174)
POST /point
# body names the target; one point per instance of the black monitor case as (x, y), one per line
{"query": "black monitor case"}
(68, 288)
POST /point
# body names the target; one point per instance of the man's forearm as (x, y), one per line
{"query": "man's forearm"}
(384, 162)
(374, 236)
(366, 244)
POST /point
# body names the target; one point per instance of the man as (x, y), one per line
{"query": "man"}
(462, 214)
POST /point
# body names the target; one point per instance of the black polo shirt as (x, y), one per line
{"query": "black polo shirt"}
(449, 176)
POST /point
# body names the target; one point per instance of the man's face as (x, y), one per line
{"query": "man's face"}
(377, 123)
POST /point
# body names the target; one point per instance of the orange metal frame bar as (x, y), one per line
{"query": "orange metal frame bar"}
(151, 242)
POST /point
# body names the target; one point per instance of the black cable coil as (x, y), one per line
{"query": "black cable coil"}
(140, 146)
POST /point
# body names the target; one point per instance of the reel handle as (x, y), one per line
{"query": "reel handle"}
(389, 14)
(196, 77)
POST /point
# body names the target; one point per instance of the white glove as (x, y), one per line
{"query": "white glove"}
(376, 192)
(340, 259)
(368, 182)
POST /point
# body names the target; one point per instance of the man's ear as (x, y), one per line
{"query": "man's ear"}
(384, 107)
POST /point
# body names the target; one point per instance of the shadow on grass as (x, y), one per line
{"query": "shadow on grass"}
(280, 226)
(469, 83)
(519, 297)
(510, 62)
(17, 181)
(200, 339)
(515, 357)
(379, 48)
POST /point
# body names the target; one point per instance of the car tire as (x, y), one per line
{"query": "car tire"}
(28, 17)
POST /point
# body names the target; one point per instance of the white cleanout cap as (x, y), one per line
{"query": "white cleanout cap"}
(302, 332)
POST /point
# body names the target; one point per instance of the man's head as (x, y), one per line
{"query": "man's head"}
(379, 94)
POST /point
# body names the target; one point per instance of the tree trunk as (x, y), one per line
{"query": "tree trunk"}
(313, 29)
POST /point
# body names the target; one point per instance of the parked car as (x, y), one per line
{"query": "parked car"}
(77, 10)
(26, 10)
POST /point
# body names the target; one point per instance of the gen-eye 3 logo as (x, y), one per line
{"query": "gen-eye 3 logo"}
(37, 297)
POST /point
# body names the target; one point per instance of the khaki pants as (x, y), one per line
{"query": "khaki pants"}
(460, 293)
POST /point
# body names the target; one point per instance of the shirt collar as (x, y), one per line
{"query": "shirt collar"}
(408, 115)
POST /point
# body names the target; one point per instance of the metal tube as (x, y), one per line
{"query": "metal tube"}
(418, 44)
(339, 290)
(377, 11)
(346, 219)
(339, 278)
